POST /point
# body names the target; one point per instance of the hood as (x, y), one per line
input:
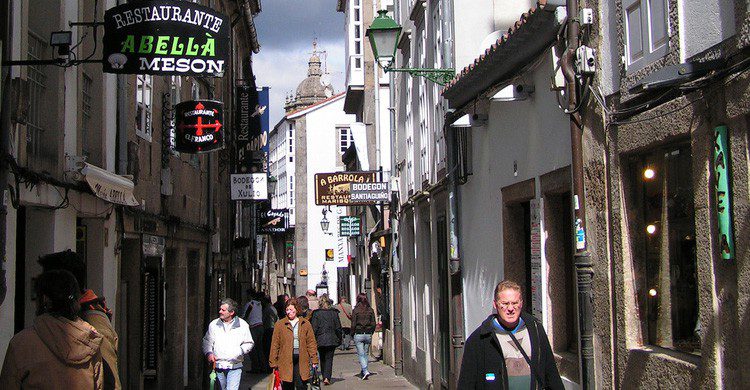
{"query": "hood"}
(73, 342)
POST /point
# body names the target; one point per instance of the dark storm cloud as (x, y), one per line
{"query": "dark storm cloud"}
(289, 22)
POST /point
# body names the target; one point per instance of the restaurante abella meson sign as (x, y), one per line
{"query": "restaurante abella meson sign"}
(165, 38)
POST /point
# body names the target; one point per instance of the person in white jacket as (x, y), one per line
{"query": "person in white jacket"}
(226, 342)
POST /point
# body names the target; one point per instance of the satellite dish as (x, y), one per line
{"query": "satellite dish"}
(328, 91)
(489, 40)
(325, 79)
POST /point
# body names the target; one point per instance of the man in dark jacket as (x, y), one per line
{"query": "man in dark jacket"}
(509, 350)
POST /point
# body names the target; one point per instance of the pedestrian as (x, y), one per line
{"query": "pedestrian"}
(94, 310)
(345, 317)
(280, 305)
(363, 326)
(304, 306)
(225, 344)
(253, 315)
(294, 350)
(327, 326)
(312, 300)
(510, 349)
(269, 320)
(60, 351)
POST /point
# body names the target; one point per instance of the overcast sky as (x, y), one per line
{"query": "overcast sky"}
(286, 29)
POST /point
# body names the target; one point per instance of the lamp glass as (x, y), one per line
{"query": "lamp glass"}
(324, 223)
(383, 35)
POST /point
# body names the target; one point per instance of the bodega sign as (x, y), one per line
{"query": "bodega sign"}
(199, 126)
(165, 38)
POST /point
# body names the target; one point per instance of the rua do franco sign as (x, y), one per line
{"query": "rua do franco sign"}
(335, 188)
(165, 38)
(199, 126)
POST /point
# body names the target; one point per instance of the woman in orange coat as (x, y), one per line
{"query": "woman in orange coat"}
(293, 348)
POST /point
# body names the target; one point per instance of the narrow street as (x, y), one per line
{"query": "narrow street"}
(345, 375)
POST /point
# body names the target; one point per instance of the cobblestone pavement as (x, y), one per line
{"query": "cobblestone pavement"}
(345, 375)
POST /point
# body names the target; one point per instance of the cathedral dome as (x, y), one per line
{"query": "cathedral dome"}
(312, 89)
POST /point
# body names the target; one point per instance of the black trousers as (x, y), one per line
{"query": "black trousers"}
(326, 360)
(298, 383)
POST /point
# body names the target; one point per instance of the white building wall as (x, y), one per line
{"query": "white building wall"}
(704, 23)
(533, 134)
(324, 156)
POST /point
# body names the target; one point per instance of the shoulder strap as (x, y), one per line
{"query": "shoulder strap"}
(528, 360)
(349, 316)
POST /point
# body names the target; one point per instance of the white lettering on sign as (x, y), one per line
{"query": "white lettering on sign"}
(369, 186)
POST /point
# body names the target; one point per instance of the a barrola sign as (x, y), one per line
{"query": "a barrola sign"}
(199, 126)
(165, 38)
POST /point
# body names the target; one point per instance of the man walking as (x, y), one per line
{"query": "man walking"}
(253, 315)
(226, 342)
(509, 350)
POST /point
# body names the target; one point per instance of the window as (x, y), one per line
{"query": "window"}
(646, 31)
(37, 89)
(144, 109)
(85, 114)
(662, 228)
(357, 11)
(346, 139)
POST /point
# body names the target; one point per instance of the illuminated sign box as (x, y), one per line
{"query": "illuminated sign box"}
(199, 126)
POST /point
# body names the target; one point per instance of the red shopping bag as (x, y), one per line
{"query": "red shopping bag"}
(276, 380)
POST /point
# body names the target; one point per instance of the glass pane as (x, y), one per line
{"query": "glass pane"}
(634, 33)
(657, 23)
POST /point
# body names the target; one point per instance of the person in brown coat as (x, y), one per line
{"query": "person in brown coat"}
(293, 348)
(60, 351)
(94, 310)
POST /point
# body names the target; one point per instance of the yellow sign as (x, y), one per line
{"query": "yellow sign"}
(329, 254)
(303, 272)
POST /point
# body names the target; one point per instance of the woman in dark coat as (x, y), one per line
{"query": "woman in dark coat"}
(327, 326)
(363, 325)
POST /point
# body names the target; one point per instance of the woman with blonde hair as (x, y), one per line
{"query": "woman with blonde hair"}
(327, 326)
(293, 348)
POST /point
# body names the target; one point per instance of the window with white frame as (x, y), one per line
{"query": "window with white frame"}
(290, 141)
(346, 138)
(440, 103)
(37, 90)
(646, 31)
(357, 13)
(424, 131)
(144, 106)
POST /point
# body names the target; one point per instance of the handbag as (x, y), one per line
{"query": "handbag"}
(315, 378)
(538, 376)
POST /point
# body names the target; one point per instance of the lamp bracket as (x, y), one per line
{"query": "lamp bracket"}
(437, 76)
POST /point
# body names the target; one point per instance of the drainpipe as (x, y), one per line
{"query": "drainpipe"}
(210, 228)
(4, 142)
(583, 264)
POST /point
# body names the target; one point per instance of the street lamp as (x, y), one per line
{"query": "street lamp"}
(325, 223)
(383, 35)
(272, 182)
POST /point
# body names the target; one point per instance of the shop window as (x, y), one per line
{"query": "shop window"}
(662, 228)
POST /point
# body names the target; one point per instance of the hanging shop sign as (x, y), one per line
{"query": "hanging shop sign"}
(165, 38)
(370, 193)
(349, 226)
(248, 126)
(273, 221)
(335, 188)
(199, 126)
(723, 192)
(249, 186)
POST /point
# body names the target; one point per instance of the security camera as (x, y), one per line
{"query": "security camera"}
(525, 89)
(478, 120)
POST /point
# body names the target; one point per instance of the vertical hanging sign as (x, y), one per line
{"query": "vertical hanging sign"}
(723, 192)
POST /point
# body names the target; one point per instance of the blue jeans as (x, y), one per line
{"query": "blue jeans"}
(363, 341)
(229, 379)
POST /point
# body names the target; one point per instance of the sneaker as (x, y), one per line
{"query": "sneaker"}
(365, 376)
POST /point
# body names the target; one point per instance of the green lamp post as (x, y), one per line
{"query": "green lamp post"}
(383, 34)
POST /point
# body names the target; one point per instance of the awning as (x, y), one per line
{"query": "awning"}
(109, 186)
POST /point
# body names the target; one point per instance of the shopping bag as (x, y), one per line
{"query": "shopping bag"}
(315, 378)
(274, 382)
(212, 377)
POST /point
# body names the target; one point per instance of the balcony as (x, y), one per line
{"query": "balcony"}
(355, 83)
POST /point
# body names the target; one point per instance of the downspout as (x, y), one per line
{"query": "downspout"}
(210, 228)
(582, 258)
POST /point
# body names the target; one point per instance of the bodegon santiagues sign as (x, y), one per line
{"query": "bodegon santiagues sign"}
(165, 38)
(199, 126)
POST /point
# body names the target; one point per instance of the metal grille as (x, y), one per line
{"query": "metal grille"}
(37, 88)
(85, 113)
